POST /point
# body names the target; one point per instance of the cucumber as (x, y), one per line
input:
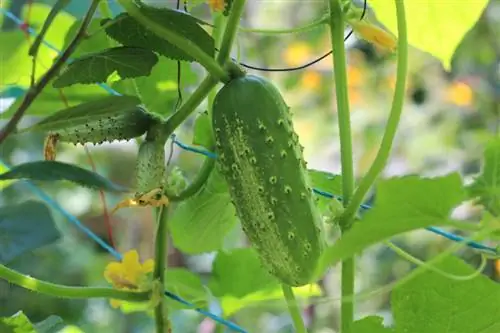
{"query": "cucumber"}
(150, 167)
(260, 157)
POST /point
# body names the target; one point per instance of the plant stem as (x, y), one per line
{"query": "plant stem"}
(293, 309)
(161, 257)
(190, 105)
(230, 31)
(63, 291)
(211, 81)
(392, 123)
(181, 42)
(37, 88)
(339, 65)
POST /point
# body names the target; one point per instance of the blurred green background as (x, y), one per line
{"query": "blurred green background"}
(445, 124)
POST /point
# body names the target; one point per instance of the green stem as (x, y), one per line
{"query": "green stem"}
(58, 290)
(230, 31)
(104, 9)
(190, 105)
(181, 42)
(339, 64)
(161, 257)
(293, 308)
(393, 122)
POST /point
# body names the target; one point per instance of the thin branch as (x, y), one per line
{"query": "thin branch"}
(36, 89)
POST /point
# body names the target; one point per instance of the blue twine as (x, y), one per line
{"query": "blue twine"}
(118, 256)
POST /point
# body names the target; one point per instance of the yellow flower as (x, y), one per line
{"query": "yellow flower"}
(297, 53)
(129, 274)
(380, 38)
(460, 94)
(217, 5)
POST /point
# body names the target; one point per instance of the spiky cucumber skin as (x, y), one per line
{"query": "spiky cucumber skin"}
(261, 159)
(124, 126)
(150, 167)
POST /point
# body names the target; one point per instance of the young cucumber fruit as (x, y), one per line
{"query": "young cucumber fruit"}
(261, 159)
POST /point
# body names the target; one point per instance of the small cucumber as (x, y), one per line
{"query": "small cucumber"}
(150, 167)
(261, 159)
(105, 120)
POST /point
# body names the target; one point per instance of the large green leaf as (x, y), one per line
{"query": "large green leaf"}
(25, 227)
(97, 67)
(325, 184)
(56, 171)
(201, 223)
(127, 31)
(203, 135)
(401, 205)
(486, 187)
(430, 302)
(436, 27)
(239, 280)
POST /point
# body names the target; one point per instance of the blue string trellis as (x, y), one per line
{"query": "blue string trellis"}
(52, 203)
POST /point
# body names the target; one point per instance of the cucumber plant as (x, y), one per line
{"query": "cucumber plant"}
(254, 164)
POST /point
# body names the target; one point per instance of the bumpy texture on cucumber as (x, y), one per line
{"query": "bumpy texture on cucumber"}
(124, 126)
(150, 167)
(261, 159)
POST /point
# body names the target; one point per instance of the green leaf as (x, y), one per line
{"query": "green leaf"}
(187, 285)
(370, 324)
(203, 130)
(127, 31)
(200, 223)
(86, 112)
(17, 323)
(158, 91)
(50, 100)
(436, 27)
(55, 171)
(127, 62)
(4, 183)
(25, 227)
(56, 8)
(401, 205)
(430, 302)
(327, 182)
(51, 324)
(486, 187)
(239, 280)
(239, 272)
(97, 41)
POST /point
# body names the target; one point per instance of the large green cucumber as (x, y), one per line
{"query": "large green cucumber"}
(261, 159)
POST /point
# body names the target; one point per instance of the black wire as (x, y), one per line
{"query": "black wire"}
(291, 69)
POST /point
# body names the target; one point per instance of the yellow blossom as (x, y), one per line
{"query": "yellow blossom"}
(129, 274)
(379, 37)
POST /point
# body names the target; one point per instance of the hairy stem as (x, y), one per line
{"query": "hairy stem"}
(230, 31)
(392, 123)
(182, 43)
(293, 309)
(63, 291)
(37, 88)
(161, 257)
(339, 65)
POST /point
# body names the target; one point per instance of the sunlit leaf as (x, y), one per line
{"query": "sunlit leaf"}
(436, 27)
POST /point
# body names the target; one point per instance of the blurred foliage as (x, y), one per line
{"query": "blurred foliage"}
(447, 119)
